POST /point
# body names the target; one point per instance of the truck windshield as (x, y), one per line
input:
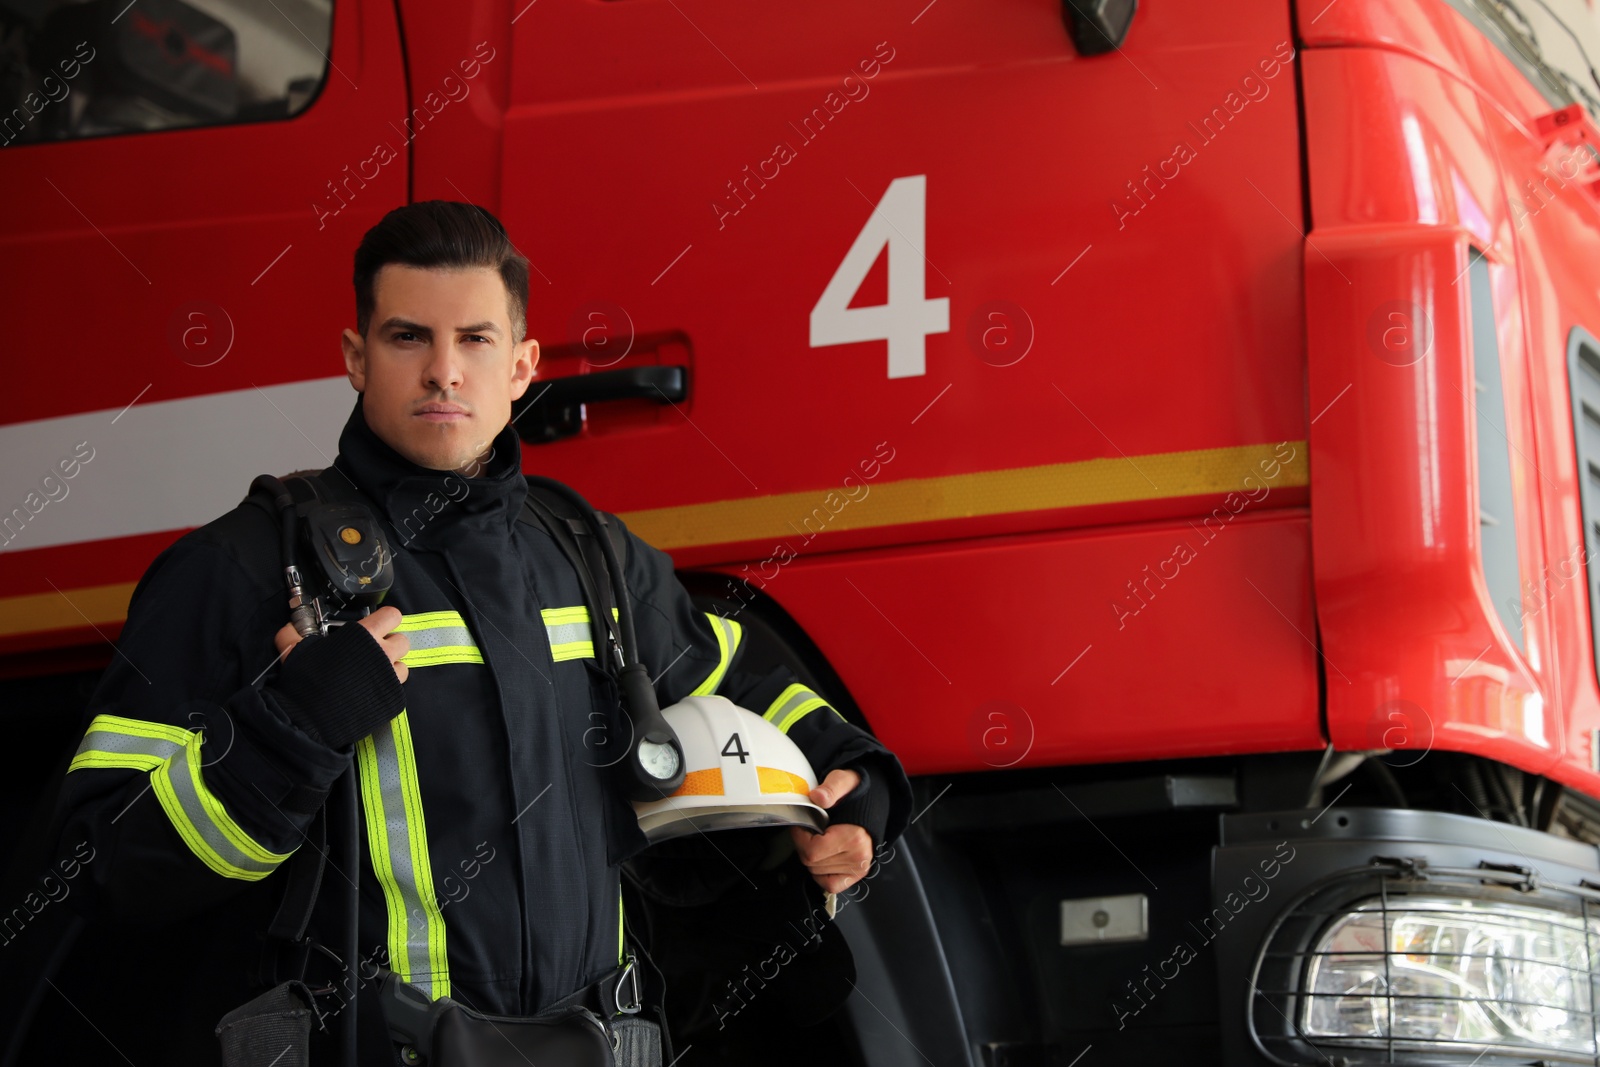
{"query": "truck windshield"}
(1554, 42)
(68, 72)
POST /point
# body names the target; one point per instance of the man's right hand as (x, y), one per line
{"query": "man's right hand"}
(380, 624)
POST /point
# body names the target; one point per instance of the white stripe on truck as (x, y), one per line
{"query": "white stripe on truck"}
(159, 465)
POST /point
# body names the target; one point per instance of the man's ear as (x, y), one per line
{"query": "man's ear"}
(355, 359)
(525, 357)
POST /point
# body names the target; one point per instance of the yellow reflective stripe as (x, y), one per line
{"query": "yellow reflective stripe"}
(621, 946)
(378, 847)
(135, 744)
(561, 616)
(728, 633)
(172, 755)
(430, 620)
(420, 862)
(702, 783)
(203, 822)
(568, 632)
(434, 657)
(794, 704)
(398, 842)
(89, 759)
(437, 638)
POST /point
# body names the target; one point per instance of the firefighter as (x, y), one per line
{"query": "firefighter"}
(491, 836)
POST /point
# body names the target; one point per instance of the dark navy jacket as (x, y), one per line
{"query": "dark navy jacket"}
(495, 878)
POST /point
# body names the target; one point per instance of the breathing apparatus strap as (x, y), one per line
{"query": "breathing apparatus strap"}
(554, 513)
(303, 881)
(305, 869)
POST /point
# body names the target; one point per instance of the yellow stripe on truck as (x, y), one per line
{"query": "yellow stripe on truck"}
(1082, 483)
(95, 605)
(1156, 476)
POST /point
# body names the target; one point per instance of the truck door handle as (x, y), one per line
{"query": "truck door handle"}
(557, 410)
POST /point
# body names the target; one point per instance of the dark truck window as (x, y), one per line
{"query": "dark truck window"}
(1583, 372)
(72, 70)
(1497, 517)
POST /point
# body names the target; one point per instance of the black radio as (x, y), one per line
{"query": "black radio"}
(348, 567)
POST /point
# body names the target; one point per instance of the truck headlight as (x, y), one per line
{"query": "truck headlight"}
(1438, 972)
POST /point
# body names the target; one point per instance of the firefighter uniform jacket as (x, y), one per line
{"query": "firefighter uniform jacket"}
(491, 831)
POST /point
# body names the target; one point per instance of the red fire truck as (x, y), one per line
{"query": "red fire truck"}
(1174, 431)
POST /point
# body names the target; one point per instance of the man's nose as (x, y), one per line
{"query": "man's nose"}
(444, 368)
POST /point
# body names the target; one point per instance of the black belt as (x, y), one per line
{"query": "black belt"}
(616, 993)
(414, 1020)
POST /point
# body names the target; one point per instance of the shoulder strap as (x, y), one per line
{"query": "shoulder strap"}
(308, 487)
(561, 507)
(303, 879)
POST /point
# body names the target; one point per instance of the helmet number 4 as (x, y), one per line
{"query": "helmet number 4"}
(899, 220)
(735, 748)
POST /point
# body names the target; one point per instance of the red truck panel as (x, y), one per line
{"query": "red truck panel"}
(1005, 652)
(1402, 603)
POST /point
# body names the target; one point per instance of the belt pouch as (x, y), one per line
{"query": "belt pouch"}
(273, 1029)
(443, 1033)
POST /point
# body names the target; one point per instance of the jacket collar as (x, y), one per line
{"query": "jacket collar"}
(426, 507)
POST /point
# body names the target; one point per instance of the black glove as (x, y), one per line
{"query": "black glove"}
(863, 806)
(338, 689)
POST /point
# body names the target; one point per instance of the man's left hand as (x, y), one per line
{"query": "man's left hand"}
(840, 857)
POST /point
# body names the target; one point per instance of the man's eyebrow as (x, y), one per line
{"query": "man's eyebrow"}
(395, 323)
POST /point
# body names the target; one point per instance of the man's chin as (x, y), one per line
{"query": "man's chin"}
(439, 456)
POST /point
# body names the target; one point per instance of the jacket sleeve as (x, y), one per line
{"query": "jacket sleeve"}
(190, 782)
(695, 653)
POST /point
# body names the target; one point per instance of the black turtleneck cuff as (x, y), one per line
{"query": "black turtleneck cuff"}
(338, 689)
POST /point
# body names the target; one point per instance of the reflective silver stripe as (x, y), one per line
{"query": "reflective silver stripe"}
(439, 637)
(571, 631)
(203, 822)
(113, 741)
(398, 843)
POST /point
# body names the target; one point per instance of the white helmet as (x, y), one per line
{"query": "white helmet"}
(742, 771)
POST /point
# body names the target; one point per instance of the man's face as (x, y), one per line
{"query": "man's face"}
(438, 369)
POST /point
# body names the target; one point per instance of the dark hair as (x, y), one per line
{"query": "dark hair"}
(445, 234)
